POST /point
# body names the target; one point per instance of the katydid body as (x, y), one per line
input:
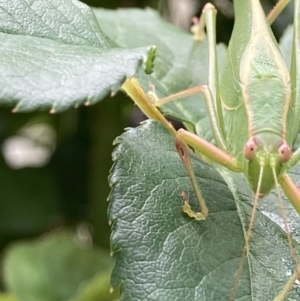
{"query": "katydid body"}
(255, 88)
(254, 109)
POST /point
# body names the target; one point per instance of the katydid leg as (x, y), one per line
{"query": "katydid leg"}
(184, 138)
(209, 150)
(213, 75)
(291, 190)
(185, 157)
(277, 9)
(294, 197)
(205, 92)
(208, 20)
(294, 159)
(281, 296)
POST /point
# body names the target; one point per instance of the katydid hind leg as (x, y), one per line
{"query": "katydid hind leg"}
(208, 18)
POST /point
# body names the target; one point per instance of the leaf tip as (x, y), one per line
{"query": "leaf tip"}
(87, 102)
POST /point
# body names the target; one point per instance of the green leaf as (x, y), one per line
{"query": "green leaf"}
(180, 61)
(162, 254)
(56, 268)
(54, 55)
(65, 21)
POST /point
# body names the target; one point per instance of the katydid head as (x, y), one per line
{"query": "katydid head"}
(268, 152)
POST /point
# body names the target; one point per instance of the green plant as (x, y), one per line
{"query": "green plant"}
(62, 59)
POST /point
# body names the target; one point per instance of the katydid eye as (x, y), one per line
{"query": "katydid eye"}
(250, 150)
(284, 153)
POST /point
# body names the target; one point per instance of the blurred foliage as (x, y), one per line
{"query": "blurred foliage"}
(34, 271)
(72, 187)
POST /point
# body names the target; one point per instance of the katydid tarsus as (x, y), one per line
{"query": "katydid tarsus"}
(254, 109)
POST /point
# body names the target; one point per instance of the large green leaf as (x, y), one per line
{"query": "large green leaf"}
(57, 267)
(54, 55)
(162, 254)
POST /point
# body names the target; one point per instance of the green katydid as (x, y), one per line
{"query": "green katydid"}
(254, 110)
